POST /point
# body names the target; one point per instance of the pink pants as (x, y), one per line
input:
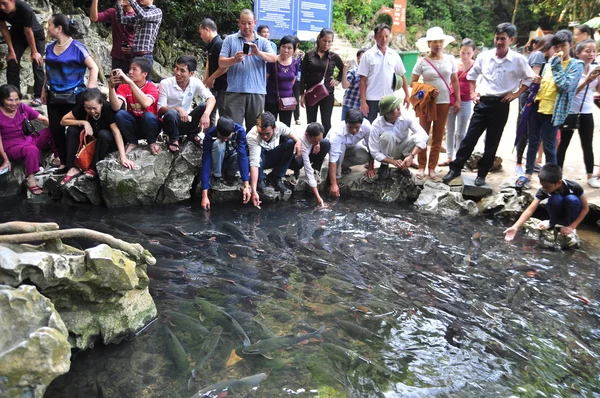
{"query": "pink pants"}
(28, 149)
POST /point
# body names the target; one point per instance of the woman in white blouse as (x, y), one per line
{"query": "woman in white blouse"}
(439, 70)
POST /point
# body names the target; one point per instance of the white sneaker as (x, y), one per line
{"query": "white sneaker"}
(594, 182)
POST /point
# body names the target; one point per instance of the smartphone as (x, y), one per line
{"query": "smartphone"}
(4, 170)
(115, 73)
(246, 49)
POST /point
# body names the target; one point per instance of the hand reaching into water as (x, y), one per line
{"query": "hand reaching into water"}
(510, 233)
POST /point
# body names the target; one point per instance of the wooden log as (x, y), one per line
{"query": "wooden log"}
(20, 227)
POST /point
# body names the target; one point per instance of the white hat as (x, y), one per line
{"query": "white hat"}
(435, 33)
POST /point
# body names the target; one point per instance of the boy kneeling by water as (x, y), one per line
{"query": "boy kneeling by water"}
(566, 204)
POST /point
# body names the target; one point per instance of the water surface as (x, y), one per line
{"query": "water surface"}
(412, 305)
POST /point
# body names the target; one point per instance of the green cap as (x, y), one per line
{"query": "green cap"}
(388, 103)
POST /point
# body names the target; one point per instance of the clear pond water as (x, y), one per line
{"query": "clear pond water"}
(413, 305)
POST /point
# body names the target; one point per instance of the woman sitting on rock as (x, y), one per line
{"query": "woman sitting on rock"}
(15, 144)
(95, 117)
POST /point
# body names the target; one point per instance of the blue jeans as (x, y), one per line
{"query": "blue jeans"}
(221, 162)
(346, 108)
(134, 128)
(540, 128)
(564, 209)
(278, 159)
(174, 127)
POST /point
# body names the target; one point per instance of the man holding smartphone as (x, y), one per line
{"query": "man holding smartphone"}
(246, 55)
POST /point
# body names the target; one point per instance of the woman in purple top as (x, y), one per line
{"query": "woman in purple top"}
(281, 77)
(15, 145)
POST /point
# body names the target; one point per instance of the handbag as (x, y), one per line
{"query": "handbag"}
(27, 126)
(61, 97)
(285, 103)
(450, 89)
(85, 153)
(572, 120)
(317, 92)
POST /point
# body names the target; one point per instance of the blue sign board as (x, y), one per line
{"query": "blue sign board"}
(302, 18)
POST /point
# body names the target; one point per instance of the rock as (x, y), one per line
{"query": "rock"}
(184, 169)
(550, 237)
(124, 187)
(437, 197)
(476, 157)
(11, 182)
(80, 190)
(101, 294)
(395, 188)
(470, 190)
(507, 204)
(34, 348)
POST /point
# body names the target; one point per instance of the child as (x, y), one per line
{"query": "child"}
(566, 203)
(351, 82)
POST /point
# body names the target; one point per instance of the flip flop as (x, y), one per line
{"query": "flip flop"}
(197, 140)
(35, 189)
(420, 174)
(155, 149)
(172, 145)
(522, 182)
(446, 163)
(68, 179)
(89, 174)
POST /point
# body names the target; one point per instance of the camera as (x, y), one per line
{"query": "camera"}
(246, 49)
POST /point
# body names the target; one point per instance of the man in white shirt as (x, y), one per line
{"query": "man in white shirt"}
(377, 70)
(175, 97)
(390, 141)
(266, 152)
(493, 78)
(348, 147)
(314, 150)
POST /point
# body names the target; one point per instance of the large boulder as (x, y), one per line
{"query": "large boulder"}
(507, 204)
(184, 169)
(33, 346)
(100, 293)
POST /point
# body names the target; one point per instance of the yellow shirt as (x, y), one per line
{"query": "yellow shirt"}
(548, 91)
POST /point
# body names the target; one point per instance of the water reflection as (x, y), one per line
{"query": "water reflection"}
(412, 305)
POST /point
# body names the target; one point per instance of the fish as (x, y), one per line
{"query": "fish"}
(216, 311)
(279, 343)
(352, 358)
(357, 331)
(176, 350)
(206, 350)
(186, 323)
(234, 231)
(216, 389)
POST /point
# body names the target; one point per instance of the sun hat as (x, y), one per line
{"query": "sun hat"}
(388, 103)
(435, 33)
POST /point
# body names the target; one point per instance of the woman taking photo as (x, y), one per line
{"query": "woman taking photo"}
(67, 60)
(318, 65)
(558, 84)
(96, 117)
(281, 77)
(438, 70)
(17, 144)
(583, 104)
(456, 126)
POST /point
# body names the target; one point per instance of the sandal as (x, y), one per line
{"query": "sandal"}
(420, 174)
(90, 174)
(173, 147)
(68, 179)
(35, 189)
(446, 163)
(36, 102)
(292, 180)
(197, 140)
(433, 176)
(155, 148)
(522, 182)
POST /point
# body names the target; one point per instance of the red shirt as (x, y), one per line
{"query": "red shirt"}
(124, 92)
(121, 33)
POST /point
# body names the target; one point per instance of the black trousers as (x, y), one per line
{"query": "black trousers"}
(55, 115)
(297, 95)
(285, 117)
(105, 143)
(13, 68)
(521, 145)
(586, 136)
(326, 108)
(490, 115)
(316, 159)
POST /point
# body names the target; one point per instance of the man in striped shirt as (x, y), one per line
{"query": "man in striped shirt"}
(146, 20)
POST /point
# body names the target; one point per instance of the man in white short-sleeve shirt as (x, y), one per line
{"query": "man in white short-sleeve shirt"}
(175, 96)
(377, 70)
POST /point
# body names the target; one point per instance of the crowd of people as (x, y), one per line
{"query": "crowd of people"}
(252, 88)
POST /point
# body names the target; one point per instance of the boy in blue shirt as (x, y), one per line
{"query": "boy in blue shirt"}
(567, 204)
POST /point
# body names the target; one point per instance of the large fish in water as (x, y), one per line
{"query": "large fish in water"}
(278, 343)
